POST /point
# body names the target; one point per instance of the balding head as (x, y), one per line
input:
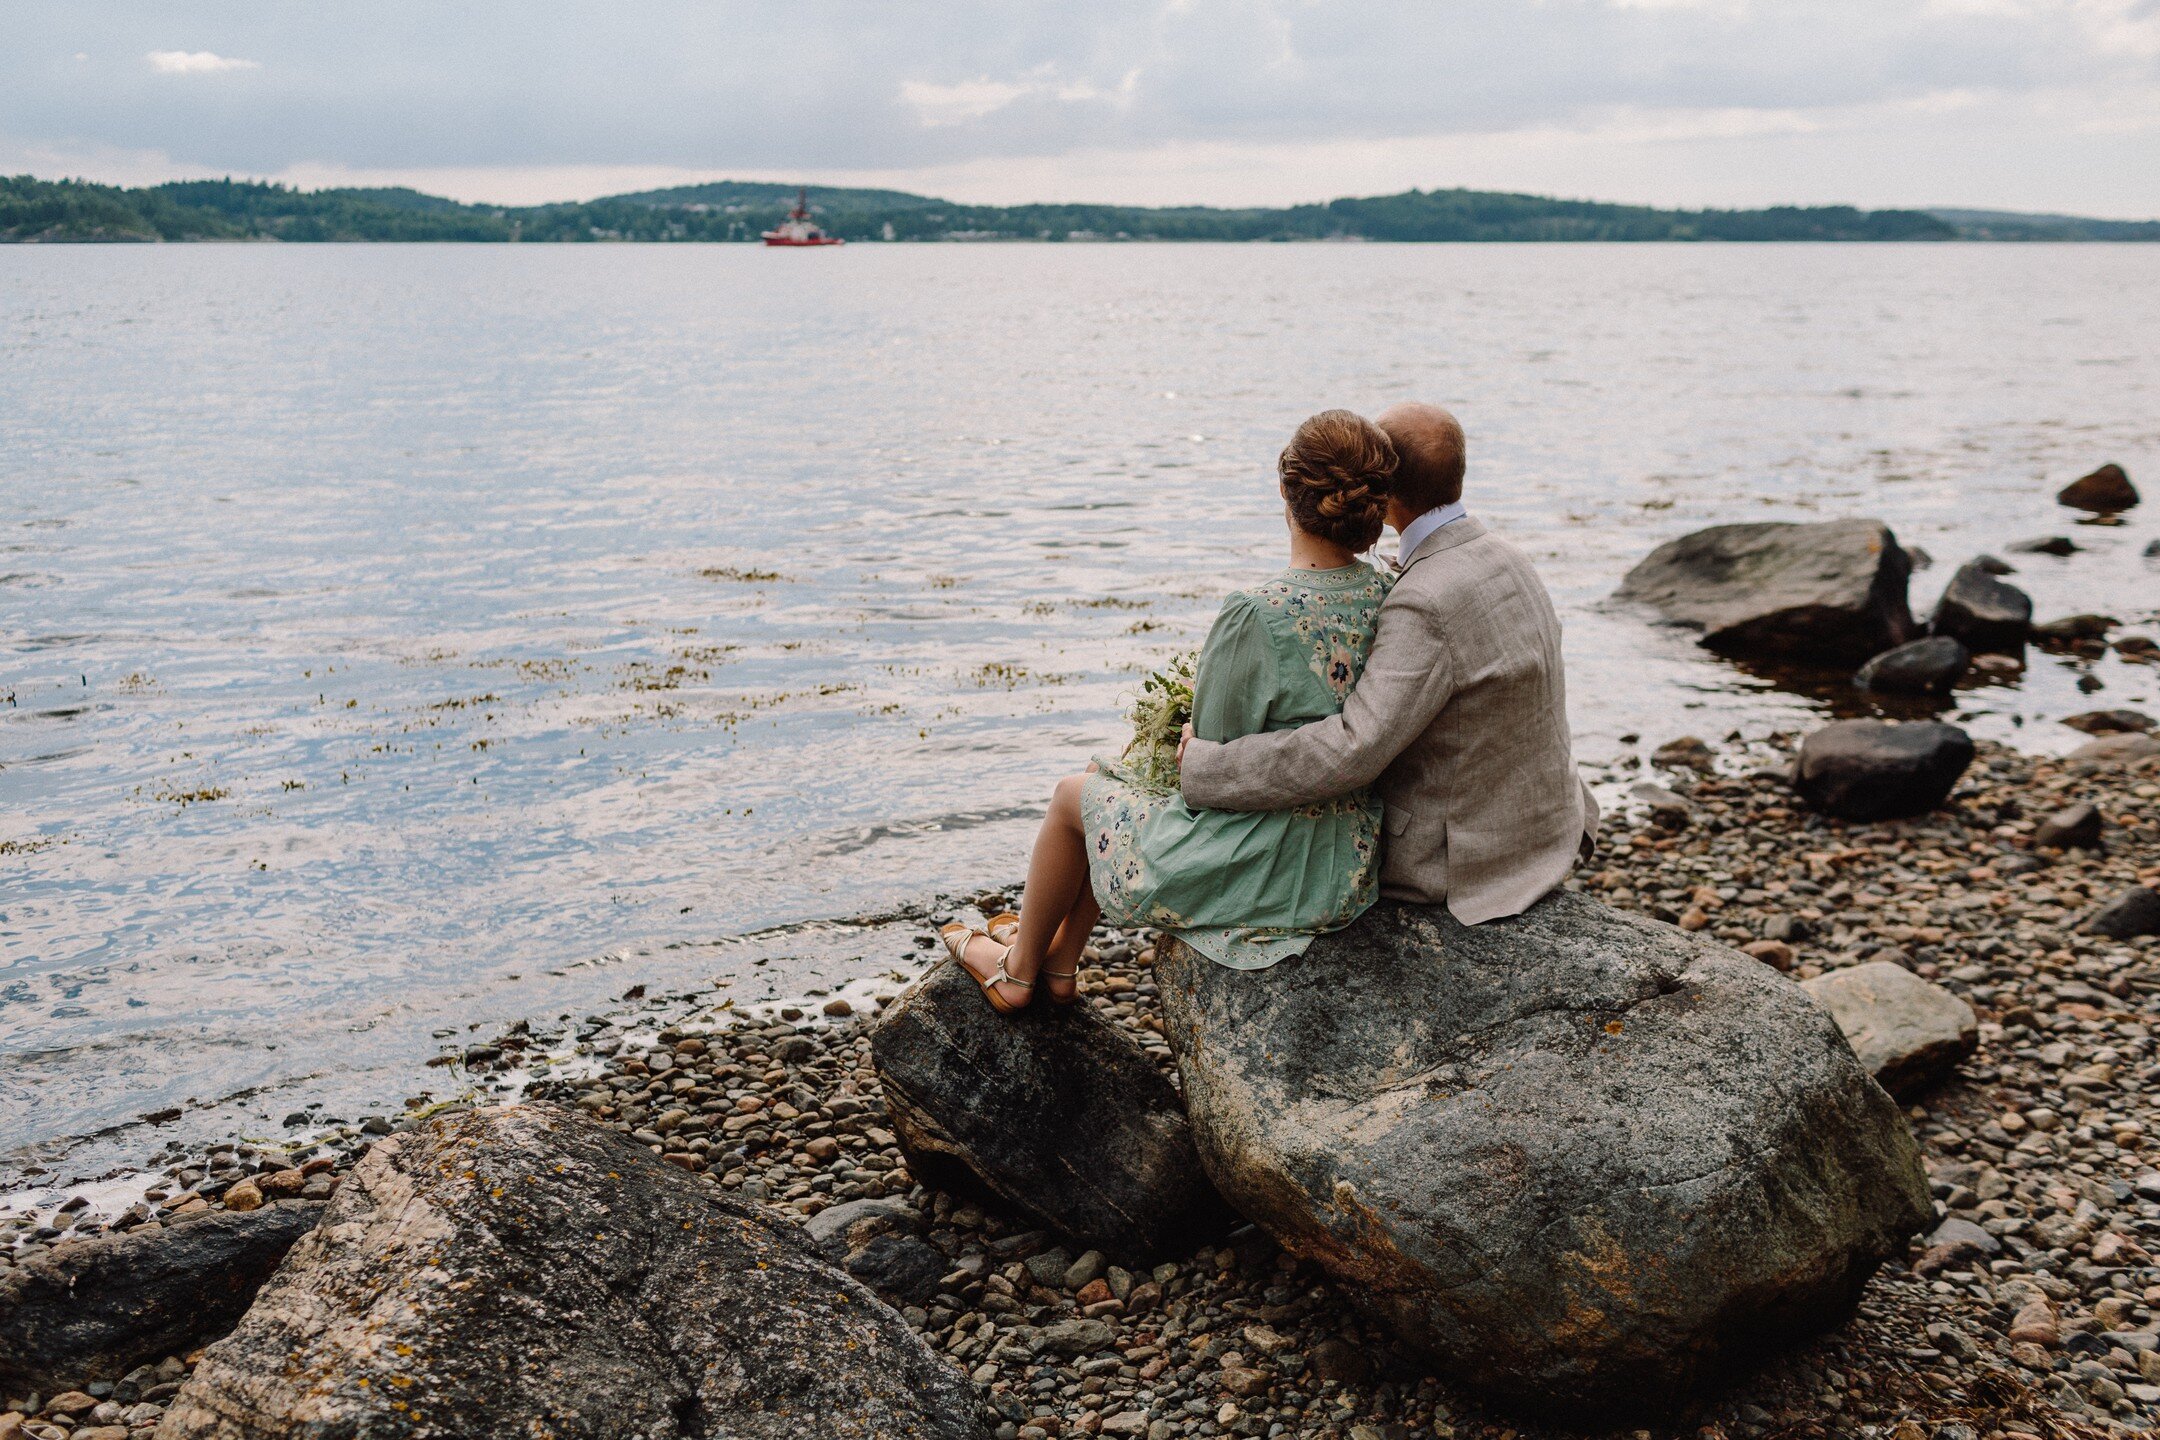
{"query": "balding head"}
(1430, 446)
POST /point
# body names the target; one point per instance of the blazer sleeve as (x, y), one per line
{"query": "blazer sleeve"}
(1234, 685)
(1406, 681)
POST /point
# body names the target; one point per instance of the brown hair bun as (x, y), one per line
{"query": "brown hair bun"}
(1335, 473)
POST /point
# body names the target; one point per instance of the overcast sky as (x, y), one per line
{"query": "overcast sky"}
(2016, 104)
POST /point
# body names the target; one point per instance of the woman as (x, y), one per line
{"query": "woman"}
(1243, 889)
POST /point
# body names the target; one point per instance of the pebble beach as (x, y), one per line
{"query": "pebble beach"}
(2032, 1310)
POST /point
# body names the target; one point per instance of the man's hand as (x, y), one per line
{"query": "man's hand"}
(1183, 741)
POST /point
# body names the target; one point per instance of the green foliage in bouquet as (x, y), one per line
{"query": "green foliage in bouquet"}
(1160, 713)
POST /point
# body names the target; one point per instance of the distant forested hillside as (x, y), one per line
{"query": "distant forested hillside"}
(2010, 225)
(69, 210)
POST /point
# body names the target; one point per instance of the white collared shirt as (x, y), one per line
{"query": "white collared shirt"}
(1419, 530)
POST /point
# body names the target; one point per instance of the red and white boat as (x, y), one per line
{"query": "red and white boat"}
(798, 228)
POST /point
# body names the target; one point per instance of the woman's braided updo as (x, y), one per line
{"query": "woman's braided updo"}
(1335, 473)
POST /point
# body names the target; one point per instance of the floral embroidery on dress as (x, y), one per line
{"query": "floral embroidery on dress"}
(1335, 622)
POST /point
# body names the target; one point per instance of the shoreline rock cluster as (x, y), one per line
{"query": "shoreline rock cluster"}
(1831, 595)
(2032, 1307)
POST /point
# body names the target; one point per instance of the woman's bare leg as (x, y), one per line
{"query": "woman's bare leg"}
(1061, 968)
(1057, 881)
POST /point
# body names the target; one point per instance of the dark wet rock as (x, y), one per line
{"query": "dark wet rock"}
(875, 1241)
(1964, 1236)
(2152, 549)
(838, 1227)
(1341, 1362)
(1955, 1241)
(1689, 752)
(1992, 565)
(1931, 666)
(2135, 912)
(1875, 770)
(2103, 492)
(1054, 1111)
(1577, 1157)
(2117, 749)
(903, 1267)
(1669, 808)
(2071, 629)
(521, 1270)
(2110, 722)
(2074, 827)
(2045, 545)
(1792, 929)
(94, 1309)
(1075, 1337)
(1907, 1031)
(1831, 592)
(1983, 612)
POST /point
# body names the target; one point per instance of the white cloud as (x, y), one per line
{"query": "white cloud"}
(940, 105)
(958, 103)
(196, 62)
(1121, 94)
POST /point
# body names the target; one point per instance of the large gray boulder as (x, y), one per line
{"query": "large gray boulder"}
(1579, 1158)
(1907, 1031)
(1052, 1111)
(1831, 593)
(96, 1308)
(521, 1270)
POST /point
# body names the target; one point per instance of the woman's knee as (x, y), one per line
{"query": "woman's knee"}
(1065, 800)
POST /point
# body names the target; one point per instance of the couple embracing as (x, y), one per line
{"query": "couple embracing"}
(1354, 733)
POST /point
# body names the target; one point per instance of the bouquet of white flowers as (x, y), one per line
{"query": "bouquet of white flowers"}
(1160, 713)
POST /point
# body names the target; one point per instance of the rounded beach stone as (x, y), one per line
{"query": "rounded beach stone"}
(2074, 827)
(1874, 770)
(2135, 912)
(1930, 666)
(2104, 491)
(1907, 1031)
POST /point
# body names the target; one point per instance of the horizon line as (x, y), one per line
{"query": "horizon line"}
(813, 185)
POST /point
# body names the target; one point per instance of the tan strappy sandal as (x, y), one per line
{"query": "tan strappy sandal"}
(956, 937)
(1069, 996)
(1003, 927)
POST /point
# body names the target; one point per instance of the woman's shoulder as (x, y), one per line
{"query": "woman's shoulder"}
(1244, 616)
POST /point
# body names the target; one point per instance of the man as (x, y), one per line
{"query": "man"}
(1460, 716)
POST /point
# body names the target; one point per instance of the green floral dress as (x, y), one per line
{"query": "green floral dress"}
(1249, 889)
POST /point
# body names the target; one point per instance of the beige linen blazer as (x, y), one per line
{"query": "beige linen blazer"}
(1460, 723)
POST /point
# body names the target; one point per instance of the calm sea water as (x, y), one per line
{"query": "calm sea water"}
(404, 639)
